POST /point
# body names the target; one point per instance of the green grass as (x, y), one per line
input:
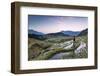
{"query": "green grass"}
(82, 54)
(58, 39)
(41, 49)
(49, 54)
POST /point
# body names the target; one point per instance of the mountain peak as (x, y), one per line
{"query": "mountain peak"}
(71, 33)
(83, 32)
(30, 31)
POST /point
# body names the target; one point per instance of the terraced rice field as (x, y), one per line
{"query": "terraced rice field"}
(57, 48)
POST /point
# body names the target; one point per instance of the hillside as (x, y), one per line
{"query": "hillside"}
(84, 32)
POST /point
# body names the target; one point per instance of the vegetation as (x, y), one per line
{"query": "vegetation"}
(46, 49)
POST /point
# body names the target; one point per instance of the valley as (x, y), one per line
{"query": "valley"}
(61, 47)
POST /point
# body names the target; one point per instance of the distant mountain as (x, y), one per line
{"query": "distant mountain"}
(64, 33)
(35, 32)
(71, 33)
(57, 34)
(41, 36)
(84, 32)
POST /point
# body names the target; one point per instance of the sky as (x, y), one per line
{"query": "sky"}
(52, 24)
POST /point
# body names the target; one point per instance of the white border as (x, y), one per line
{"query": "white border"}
(25, 64)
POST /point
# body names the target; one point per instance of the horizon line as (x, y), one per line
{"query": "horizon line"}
(58, 31)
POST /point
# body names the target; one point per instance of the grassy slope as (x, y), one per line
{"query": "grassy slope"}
(84, 51)
(38, 49)
(50, 53)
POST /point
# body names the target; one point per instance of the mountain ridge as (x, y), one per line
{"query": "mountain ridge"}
(30, 31)
(40, 35)
(83, 32)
